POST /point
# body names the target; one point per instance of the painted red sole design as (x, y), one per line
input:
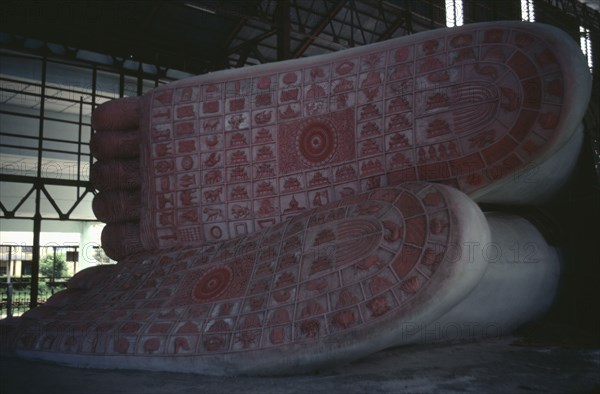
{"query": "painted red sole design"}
(234, 152)
(330, 284)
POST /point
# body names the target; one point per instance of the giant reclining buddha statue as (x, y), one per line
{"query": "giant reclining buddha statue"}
(291, 216)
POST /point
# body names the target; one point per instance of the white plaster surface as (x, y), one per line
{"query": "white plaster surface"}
(520, 284)
(540, 180)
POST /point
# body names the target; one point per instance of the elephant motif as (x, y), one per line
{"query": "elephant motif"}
(212, 177)
(213, 195)
(239, 211)
(213, 214)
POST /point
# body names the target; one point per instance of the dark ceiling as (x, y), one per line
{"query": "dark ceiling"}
(198, 36)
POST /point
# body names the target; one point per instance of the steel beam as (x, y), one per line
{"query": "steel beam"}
(282, 22)
(403, 20)
(585, 15)
(319, 28)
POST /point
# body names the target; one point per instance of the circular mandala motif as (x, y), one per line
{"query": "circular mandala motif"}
(317, 142)
(212, 284)
(216, 232)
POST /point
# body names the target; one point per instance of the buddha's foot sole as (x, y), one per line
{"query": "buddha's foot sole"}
(232, 152)
(327, 286)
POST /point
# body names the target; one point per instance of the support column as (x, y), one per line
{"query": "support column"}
(35, 264)
(9, 287)
(37, 219)
(282, 22)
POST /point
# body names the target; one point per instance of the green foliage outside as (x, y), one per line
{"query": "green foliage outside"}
(51, 268)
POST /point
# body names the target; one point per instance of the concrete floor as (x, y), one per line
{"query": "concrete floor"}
(497, 365)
